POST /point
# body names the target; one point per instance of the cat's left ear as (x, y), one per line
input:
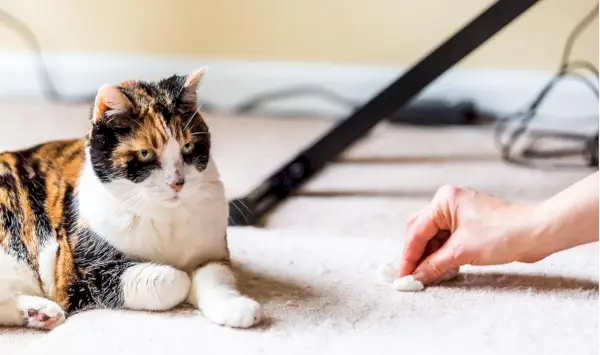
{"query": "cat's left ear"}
(189, 96)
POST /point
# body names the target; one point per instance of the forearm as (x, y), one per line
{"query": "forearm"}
(568, 219)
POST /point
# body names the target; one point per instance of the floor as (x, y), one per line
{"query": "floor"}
(314, 265)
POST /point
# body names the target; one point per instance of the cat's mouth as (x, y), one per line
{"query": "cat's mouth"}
(172, 201)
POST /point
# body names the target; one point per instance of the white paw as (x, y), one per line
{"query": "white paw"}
(234, 311)
(40, 313)
(154, 287)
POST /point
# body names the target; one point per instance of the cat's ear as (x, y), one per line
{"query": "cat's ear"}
(189, 96)
(110, 102)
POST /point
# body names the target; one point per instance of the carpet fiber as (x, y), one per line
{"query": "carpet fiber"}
(315, 264)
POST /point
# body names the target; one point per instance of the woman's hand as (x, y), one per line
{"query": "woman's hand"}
(467, 227)
(464, 226)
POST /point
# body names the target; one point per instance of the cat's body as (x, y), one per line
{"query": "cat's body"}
(133, 216)
(162, 234)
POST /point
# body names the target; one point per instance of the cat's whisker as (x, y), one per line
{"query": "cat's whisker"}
(240, 211)
(119, 242)
(201, 195)
(243, 204)
(128, 197)
(132, 202)
(191, 118)
(131, 224)
(128, 194)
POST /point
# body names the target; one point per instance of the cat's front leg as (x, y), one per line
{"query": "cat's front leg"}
(154, 287)
(214, 292)
(138, 286)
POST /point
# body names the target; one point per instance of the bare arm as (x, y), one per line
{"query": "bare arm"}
(484, 230)
(566, 220)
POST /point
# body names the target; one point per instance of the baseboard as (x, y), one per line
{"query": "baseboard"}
(228, 82)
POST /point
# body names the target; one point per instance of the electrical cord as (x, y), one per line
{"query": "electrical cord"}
(53, 94)
(575, 33)
(254, 102)
(48, 88)
(581, 64)
(523, 118)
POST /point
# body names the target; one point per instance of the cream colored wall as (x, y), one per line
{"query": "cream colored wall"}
(388, 32)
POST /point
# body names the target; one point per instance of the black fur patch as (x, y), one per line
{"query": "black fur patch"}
(104, 141)
(100, 267)
(11, 223)
(138, 171)
(7, 181)
(166, 99)
(199, 156)
(69, 218)
(80, 297)
(34, 183)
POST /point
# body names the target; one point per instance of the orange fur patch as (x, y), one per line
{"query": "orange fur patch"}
(59, 163)
(64, 272)
(149, 135)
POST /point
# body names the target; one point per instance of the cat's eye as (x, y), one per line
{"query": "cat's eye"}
(188, 148)
(145, 155)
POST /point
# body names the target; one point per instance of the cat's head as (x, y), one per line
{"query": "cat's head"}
(147, 140)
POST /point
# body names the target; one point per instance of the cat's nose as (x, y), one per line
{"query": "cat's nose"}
(177, 185)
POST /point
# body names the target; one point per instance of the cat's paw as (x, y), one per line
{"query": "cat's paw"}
(234, 311)
(41, 313)
(153, 287)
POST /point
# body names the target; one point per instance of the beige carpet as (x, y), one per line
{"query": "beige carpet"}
(315, 264)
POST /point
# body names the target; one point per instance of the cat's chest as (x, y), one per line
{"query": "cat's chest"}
(183, 240)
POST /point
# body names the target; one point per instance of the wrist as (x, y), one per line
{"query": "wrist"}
(530, 234)
(535, 234)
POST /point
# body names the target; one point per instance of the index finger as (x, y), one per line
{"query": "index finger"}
(418, 234)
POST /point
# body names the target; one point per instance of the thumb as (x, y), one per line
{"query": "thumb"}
(437, 265)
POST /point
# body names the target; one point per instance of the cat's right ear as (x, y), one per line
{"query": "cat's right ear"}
(110, 102)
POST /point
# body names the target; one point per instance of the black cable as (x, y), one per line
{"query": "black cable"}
(582, 64)
(48, 88)
(523, 118)
(564, 68)
(264, 98)
(53, 94)
(575, 33)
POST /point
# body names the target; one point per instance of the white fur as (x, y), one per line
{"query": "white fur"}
(47, 264)
(177, 231)
(17, 280)
(15, 311)
(154, 287)
(140, 219)
(182, 229)
(10, 314)
(16, 277)
(213, 291)
(172, 162)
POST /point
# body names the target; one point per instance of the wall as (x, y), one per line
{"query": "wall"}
(373, 32)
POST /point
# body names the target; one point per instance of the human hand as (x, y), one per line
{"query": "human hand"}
(465, 227)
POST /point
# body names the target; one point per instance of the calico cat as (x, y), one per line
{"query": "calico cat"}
(132, 216)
